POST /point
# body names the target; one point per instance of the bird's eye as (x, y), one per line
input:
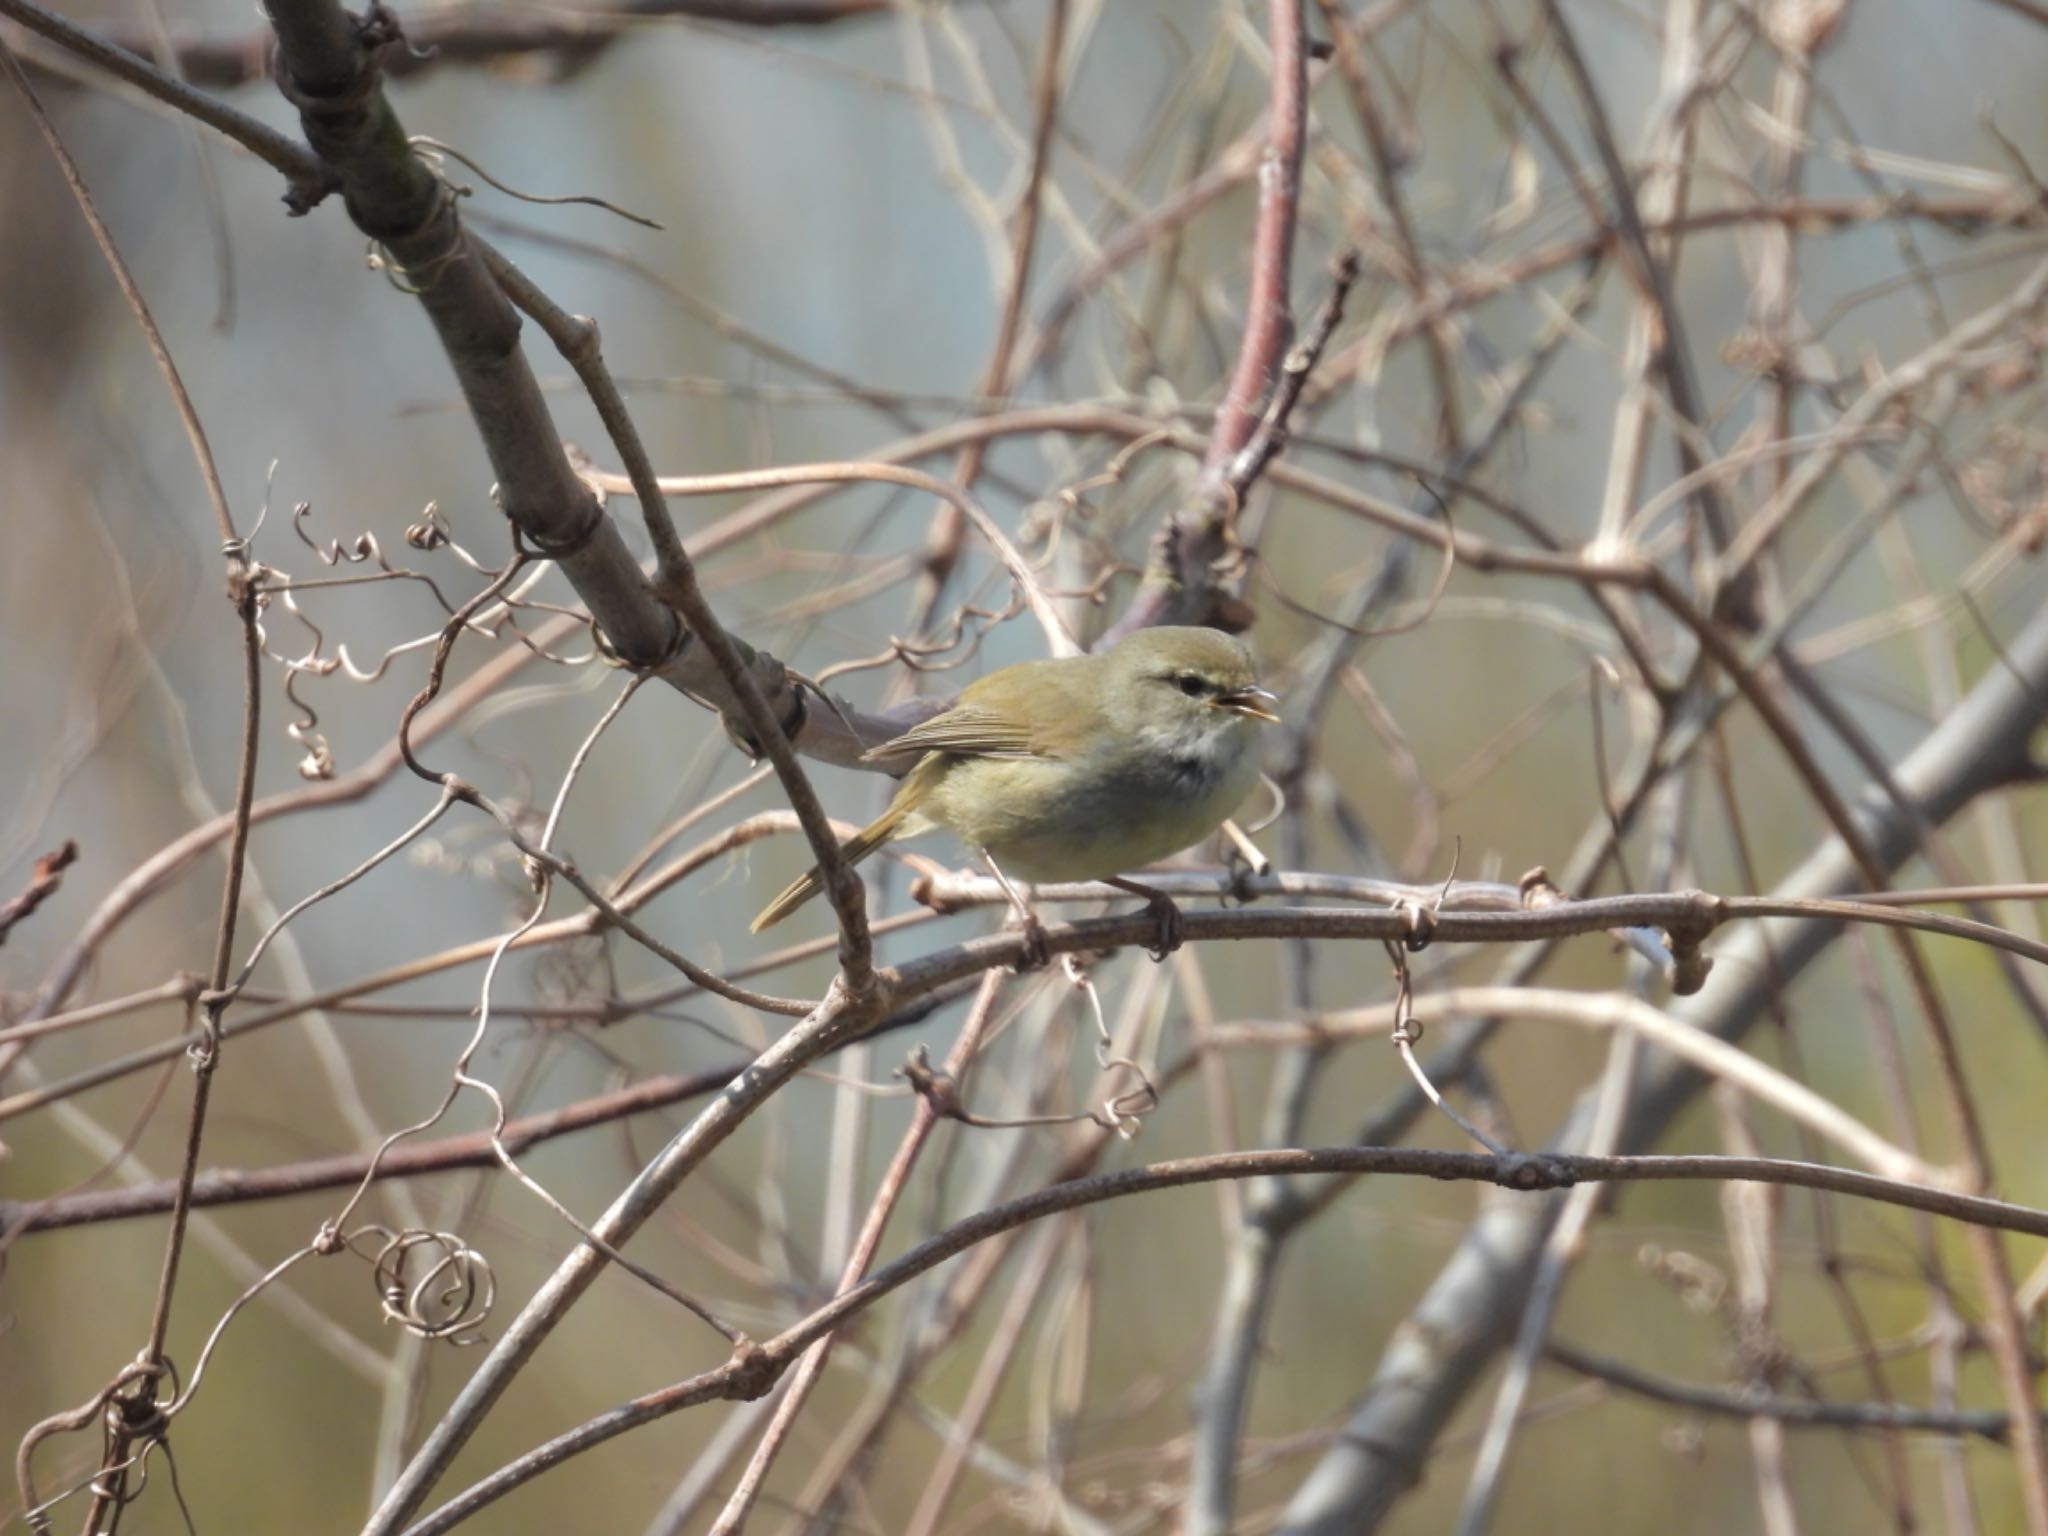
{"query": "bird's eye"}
(1191, 684)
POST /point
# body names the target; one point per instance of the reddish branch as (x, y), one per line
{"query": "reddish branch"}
(1268, 321)
(42, 885)
(1180, 585)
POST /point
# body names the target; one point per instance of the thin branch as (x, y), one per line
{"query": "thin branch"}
(1792, 1412)
(43, 883)
(484, 36)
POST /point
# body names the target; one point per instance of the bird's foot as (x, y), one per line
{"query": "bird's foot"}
(1037, 951)
(1173, 928)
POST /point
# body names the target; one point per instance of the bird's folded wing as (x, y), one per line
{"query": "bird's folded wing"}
(964, 731)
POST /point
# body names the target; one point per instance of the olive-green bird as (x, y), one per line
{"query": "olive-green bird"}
(1078, 768)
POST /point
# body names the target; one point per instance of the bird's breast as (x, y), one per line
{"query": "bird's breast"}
(1090, 817)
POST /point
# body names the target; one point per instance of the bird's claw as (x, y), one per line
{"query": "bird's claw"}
(1037, 951)
(1173, 928)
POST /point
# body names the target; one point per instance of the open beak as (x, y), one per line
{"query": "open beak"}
(1251, 703)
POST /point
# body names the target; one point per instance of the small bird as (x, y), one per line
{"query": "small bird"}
(1079, 768)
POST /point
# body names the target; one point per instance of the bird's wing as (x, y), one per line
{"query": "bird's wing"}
(964, 731)
(1001, 716)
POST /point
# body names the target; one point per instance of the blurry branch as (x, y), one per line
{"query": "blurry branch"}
(888, 1194)
(842, 1016)
(567, 40)
(1793, 1412)
(1471, 1310)
(1234, 164)
(2033, 10)
(1471, 551)
(1620, 1013)
(944, 538)
(1269, 315)
(224, 1186)
(755, 1371)
(42, 885)
(951, 494)
(1458, 290)
(1194, 551)
(1668, 353)
(156, 872)
(231, 1186)
(944, 1316)
(233, 550)
(1878, 404)
(136, 1395)
(1413, 269)
(310, 180)
(582, 924)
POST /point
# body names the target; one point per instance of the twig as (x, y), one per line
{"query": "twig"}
(43, 882)
(1792, 1412)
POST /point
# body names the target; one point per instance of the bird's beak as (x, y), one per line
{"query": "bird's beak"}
(1251, 703)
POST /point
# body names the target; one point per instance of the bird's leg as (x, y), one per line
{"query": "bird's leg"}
(1036, 953)
(1172, 930)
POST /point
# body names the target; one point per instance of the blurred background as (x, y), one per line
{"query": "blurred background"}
(1830, 191)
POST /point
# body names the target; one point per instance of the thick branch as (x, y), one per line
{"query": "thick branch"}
(330, 62)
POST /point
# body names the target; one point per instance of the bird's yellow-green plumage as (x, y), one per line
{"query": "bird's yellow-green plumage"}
(1078, 768)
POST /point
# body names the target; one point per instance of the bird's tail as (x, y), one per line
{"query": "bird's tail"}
(855, 848)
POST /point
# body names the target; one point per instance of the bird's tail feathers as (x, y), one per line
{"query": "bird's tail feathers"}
(855, 848)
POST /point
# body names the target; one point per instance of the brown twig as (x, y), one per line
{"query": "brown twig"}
(43, 882)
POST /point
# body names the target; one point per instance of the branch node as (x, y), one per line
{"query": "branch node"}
(751, 1372)
(939, 1090)
(570, 544)
(1538, 890)
(1532, 1172)
(42, 885)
